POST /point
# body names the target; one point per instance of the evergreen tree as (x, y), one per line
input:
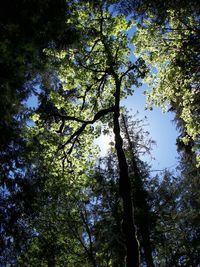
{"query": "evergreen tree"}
(27, 28)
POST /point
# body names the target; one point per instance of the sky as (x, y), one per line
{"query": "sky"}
(161, 127)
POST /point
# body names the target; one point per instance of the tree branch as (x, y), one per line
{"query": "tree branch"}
(77, 133)
(127, 71)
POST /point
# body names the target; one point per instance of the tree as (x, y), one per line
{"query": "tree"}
(93, 78)
(136, 141)
(27, 28)
(176, 232)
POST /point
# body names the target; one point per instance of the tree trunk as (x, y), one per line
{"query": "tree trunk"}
(140, 202)
(129, 229)
(147, 245)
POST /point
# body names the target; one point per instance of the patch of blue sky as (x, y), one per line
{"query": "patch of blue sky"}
(161, 127)
(32, 103)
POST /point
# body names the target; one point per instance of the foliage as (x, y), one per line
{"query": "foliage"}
(27, 27)
(157, 10)
(172, 52)
(79, 217)
(176, 234)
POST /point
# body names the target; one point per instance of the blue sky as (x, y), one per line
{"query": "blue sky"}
(161, 127)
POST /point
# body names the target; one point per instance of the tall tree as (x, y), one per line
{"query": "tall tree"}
(94, 77)
(134, 139)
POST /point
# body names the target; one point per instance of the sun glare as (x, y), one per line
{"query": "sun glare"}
(104, 142)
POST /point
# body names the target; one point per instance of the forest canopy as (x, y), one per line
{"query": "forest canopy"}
(65, 68)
